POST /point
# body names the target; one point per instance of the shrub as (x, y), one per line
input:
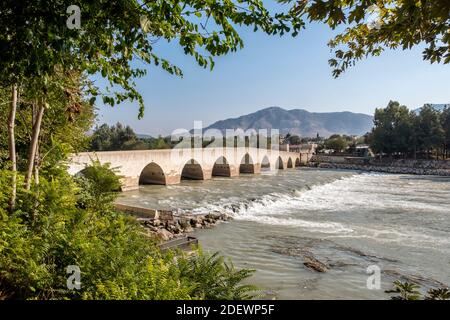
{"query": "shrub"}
(65, 221)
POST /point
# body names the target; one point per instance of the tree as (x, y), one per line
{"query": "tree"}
(37, 44)
(294, 139)
(34, 37)
(398, 131)
(374, 26)
(159, 143)
(116, 137)
(101, 138)
(337, 143)
(12, 145)
(392, 129)
(445, 123)
(428, 129)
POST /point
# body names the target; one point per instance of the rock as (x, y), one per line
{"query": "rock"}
(198, 225)
(235, 207)
(164, 234)
(188, 229)
(152, 228)
(314, 264)
(207, 224)
(224, 216)
(213, 216)
(165, 215)
(174, 228)
(169, 223)
(196, 219)
(184, 223)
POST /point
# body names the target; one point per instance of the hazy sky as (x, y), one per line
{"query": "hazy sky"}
(272, 71)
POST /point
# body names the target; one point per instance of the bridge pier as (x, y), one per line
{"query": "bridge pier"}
(225, 170)
(129, 183)
(173, 178)
(192, 172)
(250, 168)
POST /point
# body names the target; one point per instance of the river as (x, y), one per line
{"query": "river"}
(345, 219)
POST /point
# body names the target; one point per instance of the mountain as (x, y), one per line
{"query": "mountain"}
(300, 122)
(436, 106)
(143, 136)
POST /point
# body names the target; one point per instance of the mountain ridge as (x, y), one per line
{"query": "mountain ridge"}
(299, 121)
(436, 106)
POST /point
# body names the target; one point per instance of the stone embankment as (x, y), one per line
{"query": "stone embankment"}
(401, 166)
(165, 225)
(384, 168)
(180, 225)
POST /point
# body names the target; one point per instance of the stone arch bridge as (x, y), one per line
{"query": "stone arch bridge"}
(169, 166)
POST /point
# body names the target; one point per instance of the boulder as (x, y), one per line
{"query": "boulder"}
(164, 234)
(196, 220)
(183, 223)
(314, 264)
(165, 215)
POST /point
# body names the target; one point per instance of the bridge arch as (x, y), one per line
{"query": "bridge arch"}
(247, 165)
(152, 174)
(289, 163)
(265, 163)
(221, 167)
(297, 162)
(192, 170)
(279, 163)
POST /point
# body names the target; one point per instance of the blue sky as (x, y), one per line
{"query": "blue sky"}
(272, 71)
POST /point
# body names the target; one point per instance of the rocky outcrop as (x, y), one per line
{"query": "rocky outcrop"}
(168, 225)
(314, 264)
(305, 253)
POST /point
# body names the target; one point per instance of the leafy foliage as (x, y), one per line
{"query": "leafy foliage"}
(399, 131)
(370, 27)
(336, 143)
(116, 258)
(438, 294)
(64, 220)
(67, 118)
(35, 39)
(410, 291)
(214, 278)
(118, 137)
(406, 291)
(98, 186)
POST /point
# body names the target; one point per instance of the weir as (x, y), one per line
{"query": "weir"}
(169, 166)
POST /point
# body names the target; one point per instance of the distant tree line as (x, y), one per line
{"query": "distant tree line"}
(400, 132)
(119, 137)
(341, 143)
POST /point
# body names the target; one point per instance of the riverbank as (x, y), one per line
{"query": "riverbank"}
(399, 166)
(383, 168)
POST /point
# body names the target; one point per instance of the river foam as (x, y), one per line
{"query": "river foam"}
(361, 195)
